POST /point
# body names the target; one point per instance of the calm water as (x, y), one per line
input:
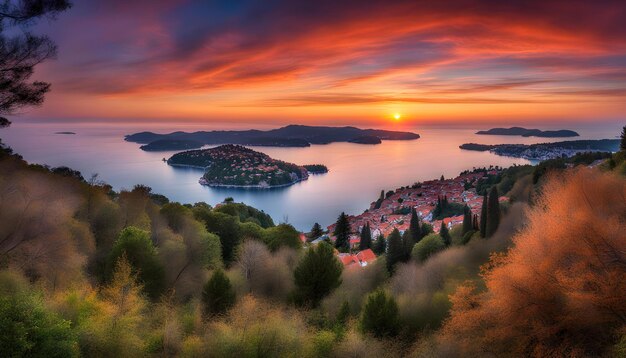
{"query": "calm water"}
(357, 172)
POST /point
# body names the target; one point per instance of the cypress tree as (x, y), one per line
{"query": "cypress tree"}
(493, 212)
(445, 234)
(316, 231)
(317, 274)
(483, 217)
(414, 227)
(407, 244)
(467, 220)
(475, 224)
(366, 237)
(380, 246)
(342, 233)
(380, 200)
(395, 250)
(622, 145)
(218, 294)
(426, 229)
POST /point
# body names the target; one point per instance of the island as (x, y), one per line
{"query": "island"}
(519, 131)
(316, 168)
(545, 151)
(235, 166)
(368, 139)
(70, 133)
(288, 136)
(171, 144)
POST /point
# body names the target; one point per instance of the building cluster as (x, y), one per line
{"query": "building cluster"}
(394, 211)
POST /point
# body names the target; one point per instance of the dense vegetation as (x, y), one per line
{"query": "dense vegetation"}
(235, 165)
(86, 271)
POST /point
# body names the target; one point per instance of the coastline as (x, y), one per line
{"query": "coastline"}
(203, 181)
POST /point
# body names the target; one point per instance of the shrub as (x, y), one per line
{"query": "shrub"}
(428, 246)
(380, 315)
(218, 294)
(27, 327)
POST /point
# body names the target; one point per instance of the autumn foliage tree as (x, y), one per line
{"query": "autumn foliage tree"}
(560, 291)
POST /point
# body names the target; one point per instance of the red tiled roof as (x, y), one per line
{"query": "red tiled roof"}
(366, 256)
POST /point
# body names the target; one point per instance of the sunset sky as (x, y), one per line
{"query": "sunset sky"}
(337, 62)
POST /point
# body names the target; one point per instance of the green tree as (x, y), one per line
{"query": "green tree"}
(29, 329)
(380, 246)
(407, 245)
(445, 234)
(426, 229)
(622, 145)
(218, 295)
(366, 237)
(428, 246)
(317, 274)
(283, 235)
(493, 212)
(467, 220)
(342, 233)
(414, 226)
(316, 231)
(136, 246)
(226, 227)
(395, 250)
(380, 315)
(483, 217)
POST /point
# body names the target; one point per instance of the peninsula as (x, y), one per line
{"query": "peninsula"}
(544, 151)
(519, 131)
(236, 166)
(170, 144)
(288, 136)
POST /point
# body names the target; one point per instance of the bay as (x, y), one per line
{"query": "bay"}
(357, 173)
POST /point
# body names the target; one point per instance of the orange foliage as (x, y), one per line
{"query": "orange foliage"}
(561, 290)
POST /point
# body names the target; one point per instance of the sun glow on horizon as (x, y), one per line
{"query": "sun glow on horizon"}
(397, 116)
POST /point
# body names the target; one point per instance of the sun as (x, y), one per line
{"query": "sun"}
(396, 116)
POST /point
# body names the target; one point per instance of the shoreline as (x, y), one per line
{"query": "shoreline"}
(202, 181)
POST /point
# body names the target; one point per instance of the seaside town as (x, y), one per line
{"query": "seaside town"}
(393, 211)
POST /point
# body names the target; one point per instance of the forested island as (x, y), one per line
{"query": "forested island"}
(288, 136)
(544, 151)
(171, 144)
(232, 165)
(520, 131)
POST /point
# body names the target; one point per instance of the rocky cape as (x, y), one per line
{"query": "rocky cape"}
(288, 136)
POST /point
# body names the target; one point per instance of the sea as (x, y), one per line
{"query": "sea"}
(357, 172)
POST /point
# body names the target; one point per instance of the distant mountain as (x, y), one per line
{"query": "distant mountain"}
(544, 151)
(524, 132)
(289, 136)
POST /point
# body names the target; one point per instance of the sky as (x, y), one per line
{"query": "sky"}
(337, 62)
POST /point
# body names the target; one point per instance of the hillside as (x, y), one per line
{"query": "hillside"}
(93, 272)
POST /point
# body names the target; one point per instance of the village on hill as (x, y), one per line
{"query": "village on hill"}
(393, 210)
